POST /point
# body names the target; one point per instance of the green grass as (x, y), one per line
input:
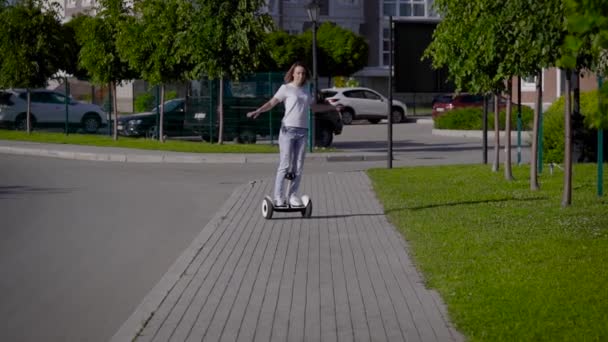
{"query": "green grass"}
(139, 143)
(511, 264)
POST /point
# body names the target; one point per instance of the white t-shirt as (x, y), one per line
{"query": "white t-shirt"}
(297, 104)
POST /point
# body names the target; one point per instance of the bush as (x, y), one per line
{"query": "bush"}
(144, 102)
(472, 119)
(584, 138)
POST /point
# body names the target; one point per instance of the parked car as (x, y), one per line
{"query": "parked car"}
(145, 125)
(202, 120)
(363, 103)
(446, 102)
(48, 109)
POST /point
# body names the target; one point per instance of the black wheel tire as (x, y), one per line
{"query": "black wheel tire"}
(21, 122)
(324, 137)
(247, 137)
(267, 209)
(90, 123)
(373, 121)
(151, 132)
(397, 115)
(307, 211)
(347, 116)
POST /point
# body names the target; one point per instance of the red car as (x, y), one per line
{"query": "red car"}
(444, 103)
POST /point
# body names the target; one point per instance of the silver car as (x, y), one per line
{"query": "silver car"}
(363, 103)
(48, 109)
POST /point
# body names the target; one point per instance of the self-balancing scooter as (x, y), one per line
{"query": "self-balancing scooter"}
(268, 207)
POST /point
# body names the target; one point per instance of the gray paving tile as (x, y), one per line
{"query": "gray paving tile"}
(342, 275)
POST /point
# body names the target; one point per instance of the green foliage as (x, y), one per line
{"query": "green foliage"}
(170, 95)
(138, 143)
(484, 43)
(341, 81)
(472, 119)
(587, 39)
(31, 48)
(144, 102)
(227, 37)
(72, 46)
(97, 37)
(553, 129)
(510, 263)
(282, 50)
(163, 26)
(342, 52)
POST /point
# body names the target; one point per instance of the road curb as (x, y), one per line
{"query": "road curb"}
(163, 157)
(153, 300)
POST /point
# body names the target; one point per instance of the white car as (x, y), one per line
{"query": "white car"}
(48, 109)
(363, 103)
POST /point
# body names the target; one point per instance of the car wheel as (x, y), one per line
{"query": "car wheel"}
(397, 115)
(21, 122)
(247, 137)
(347, 116)
(150, 132)
(373, 121)
(91, 123)
(324, 137)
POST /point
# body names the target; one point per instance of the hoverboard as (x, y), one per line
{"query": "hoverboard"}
(268, 206)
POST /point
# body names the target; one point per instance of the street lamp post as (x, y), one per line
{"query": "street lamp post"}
(313, 14)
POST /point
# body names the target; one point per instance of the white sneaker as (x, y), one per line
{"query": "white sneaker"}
(295, 201)
(279, 202)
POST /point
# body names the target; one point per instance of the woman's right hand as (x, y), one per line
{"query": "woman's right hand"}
(253, 114)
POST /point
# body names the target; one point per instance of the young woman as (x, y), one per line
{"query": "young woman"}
(294, 131)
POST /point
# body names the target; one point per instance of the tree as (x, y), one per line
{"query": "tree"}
(226, 40)
(282, 50)
(99, 54)
(72, 46)
(163, 24)
(343, 51)
(468, 41)
(584, 46)
(30, 46)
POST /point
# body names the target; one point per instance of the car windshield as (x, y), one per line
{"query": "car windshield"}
(5, 98)
(169, 106)
(443, 99)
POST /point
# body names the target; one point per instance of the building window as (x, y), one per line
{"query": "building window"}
(528, 83)
(408, 8)
(349, 2)
(70, 4)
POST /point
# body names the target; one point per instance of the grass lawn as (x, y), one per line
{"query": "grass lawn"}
(511, 264)
(140, 143)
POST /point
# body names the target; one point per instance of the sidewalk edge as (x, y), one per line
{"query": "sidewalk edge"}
(153, 300)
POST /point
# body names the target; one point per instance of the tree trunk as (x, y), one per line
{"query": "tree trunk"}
(496, 163)
(28, 114)
(534, 186)
(220, 112)
(161, 127)
(114, 110)
(567, 193)
(508, 169)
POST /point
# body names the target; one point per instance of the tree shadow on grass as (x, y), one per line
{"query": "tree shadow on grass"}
(452, 204)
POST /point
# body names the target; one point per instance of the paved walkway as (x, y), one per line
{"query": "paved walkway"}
(342, 275)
